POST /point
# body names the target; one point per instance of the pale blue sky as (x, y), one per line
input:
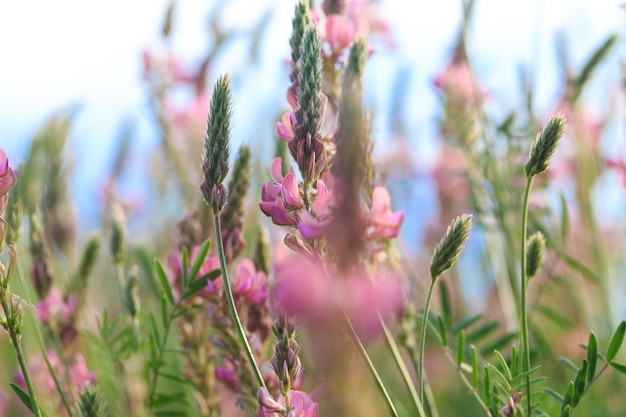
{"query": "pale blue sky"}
(58, 53)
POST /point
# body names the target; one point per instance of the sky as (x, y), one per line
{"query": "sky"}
(56, 54)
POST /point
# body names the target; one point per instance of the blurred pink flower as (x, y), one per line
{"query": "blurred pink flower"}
(55, 309)
(7, 179)
(227, 376)
(250, 284)
(338, 32)
(367, 21)
(300, 402)
(78, 372)
(190, 121)
(305, 289)
(382, 222)
(620, 167)
(457, 82)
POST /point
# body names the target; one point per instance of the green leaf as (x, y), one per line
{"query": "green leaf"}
(498, 344)
(592, 356)
(200, 283)
(466, 322)
(442, 332)
(487, 386)
(616, 341)
(580, 383)
(594, 60)
(164, 315)
(197, 264)
(566, 411)
(500, 375)
(553, 394)
(185, 265)
(564, 218)
(528, 372)
(567, 399)
(483, 331)
(619, 367)
(574, 264)
(474, 367)
(446, 307)
(165, 284)
(557, 318)
(460, 349)
(505, 366)
(23, 396)
(568, 364)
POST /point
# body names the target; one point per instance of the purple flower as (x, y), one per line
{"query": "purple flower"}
(56, 309)
(250, 284)
(7, 179)
(301, 405)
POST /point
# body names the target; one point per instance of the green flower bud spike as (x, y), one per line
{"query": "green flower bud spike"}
(450, 246)
(545, 145)
(445, 256)
(217, 146)
(535, 247)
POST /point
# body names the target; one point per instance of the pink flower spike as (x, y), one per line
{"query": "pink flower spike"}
(276, 170)
(291, 193)
(302, 404)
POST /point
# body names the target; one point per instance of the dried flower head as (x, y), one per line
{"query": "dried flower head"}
(450, 246)
(545, 145)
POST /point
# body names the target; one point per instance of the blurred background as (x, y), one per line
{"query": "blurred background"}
(86, 57)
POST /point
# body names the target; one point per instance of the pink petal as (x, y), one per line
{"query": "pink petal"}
(267, 207)
(280, 215)
(291, 193)
(276, 170)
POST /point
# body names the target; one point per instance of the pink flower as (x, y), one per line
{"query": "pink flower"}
(456, 81)
(250, 284)
(284, 128)
(190, 120)
(56, 310)
(310, 291)
(382, 222)
(300, 402)
(78, 372)
(281, 196)
(227, 376)
(7, 179)
(339, 32)
(313, 226)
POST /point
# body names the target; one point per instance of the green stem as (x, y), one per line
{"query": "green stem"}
(420, 375)
(370, 366)
(391, 343)
(364, 355)
(231, 301)
(524, 318)
(15, 339)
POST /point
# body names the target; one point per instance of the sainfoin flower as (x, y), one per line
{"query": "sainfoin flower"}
(56, 309)
(250, 284)
(316, 293)
(7, 179)
(382, 222)
(301, 405)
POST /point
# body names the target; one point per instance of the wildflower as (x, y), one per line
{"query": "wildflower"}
(338, 32)
(280, 196)
(301, 405)
(284, 128)
(56, 310)
(226, 374)
(382, 222)
(250, 284)
(7, 179)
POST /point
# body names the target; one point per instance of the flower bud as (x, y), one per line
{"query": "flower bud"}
(545, 145)
(535, 247)
(450, 246)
